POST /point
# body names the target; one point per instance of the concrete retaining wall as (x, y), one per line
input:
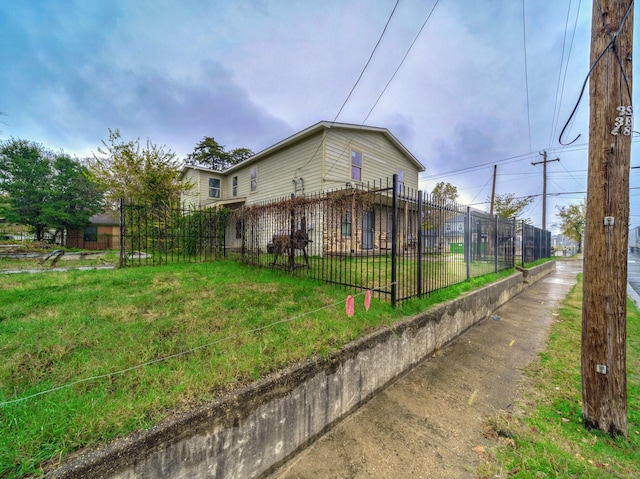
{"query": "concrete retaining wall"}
(250, 432)
(531, 275)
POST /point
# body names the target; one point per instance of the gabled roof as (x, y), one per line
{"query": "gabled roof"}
(313, 130)
(185, 167)
(104, 219)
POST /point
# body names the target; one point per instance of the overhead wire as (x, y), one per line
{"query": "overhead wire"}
(384, 30)
(415, 39)
(515, 159)
(560, 91)
(375, 48)
(402, 61)
(611, 45)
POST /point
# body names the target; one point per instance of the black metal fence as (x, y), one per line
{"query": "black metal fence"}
(398, 242)
(536, 244)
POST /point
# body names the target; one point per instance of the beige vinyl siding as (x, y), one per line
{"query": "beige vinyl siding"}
(191, 197)
(277, 170)
(199, 194)
(380, 158)
(322, 159)
(205, 199)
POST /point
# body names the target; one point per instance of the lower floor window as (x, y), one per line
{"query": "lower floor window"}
(345, 227)
(91, 233)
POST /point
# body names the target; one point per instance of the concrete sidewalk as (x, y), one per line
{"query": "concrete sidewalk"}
(429, 423)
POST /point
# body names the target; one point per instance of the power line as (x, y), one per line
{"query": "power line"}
(368, 61)
(514, 159)
(402, 61)
(356, 83)
(555, 104)
(388, 83)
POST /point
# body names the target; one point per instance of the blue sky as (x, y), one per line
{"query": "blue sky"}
(251, 73)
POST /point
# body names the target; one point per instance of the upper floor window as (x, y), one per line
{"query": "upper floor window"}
(356, 165)
(234, 186)
(214, 187)
(400, 181)
(254, 178)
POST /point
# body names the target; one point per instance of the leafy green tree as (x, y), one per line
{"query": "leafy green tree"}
(240, 154)
(124, 169)
(44, 190)
(211, 154)
(444, 191)
(508, 206)
(75, 198)
(573, 219)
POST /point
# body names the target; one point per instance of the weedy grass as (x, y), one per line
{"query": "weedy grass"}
(546, 436)
(86, 356)
(541, 261)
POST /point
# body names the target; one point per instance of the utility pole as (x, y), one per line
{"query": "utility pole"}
(544, 185)
(493, 197)
(604, 311)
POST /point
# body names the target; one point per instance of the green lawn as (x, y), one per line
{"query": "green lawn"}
(95, 340)
(546, 437)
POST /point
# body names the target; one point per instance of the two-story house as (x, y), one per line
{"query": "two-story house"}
(322, 158)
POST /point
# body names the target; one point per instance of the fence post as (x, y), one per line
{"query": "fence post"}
(523, 243)
(467, 243)
(122, 234)
(514, 231)
(495, 245)
(419, 245)
(394, 241)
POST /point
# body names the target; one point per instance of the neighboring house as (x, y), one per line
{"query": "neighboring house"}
(324, 157)
(446, 238)
(563, 246)
(102, 232)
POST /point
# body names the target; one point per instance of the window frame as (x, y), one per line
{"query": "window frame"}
(213, 189)
(91, 234)
(253, 179)
(358, 155)
(234, 186)
(346, 222)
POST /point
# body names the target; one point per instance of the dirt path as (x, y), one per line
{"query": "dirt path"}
(429, 423)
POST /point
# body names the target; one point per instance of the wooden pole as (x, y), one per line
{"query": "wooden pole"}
(544, 186)
(604, 380)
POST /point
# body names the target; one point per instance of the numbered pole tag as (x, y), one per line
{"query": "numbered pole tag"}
(623, 123)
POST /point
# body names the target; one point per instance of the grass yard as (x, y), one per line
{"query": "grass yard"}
(81, 352)
(546, 438)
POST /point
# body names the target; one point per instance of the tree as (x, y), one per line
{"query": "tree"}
(508, 206)
(445, 192)
(441, 209)
(211, 154)
(44, 190)
(75, 198)
(240, 154)
(126, 170)
(572, 222)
